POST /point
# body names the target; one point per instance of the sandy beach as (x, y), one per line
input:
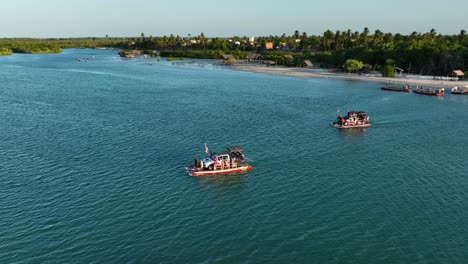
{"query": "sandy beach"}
(327, 73)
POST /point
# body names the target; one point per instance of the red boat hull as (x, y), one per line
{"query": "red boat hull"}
(196, 173)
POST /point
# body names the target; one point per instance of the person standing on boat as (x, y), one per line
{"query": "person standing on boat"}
(215, 163)
(340, 120)
(196, 161)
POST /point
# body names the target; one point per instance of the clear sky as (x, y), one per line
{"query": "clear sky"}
(224, 18)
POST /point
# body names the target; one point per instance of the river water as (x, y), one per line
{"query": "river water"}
(93, 154)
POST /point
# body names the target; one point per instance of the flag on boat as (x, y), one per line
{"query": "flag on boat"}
(206, 149)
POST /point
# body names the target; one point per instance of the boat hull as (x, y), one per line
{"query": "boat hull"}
(196, 173)
(430, 93)
(396, 89)
(460, 90)
(350, 126)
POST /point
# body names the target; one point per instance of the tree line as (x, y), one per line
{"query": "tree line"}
(420, 53)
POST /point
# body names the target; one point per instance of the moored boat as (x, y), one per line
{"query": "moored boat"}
(404, 88)
(460, 90)
(227, 162)
(429, 91)
(354, 119)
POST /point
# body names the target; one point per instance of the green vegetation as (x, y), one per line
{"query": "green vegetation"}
(175, 58)
(418, 53)
(353, 65)
(36, 48)
(5, 51)
(388, 70)
(27, 45)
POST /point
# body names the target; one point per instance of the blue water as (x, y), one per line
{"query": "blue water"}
(93, 154)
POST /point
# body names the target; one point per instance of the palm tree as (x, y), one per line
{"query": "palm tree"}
(202, 39)
(378, 38)
(296, 34)
(388, 38)
(327, 37)
(338, 42)
(304, 42)
(363, 37)
(347, 39)
(462, 34)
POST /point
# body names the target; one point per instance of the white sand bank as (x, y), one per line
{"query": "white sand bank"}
(321, 73)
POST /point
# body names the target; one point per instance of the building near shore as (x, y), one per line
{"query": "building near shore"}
(228, 59)
(269, 45)
(254, 57)
(458, 73)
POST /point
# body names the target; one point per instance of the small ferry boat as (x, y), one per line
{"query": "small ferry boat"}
(354, 119)
(227, 162)
(404, 88)
(429, 91)
(460, 90)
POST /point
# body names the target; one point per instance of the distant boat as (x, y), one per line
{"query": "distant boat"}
(129, 53)
(460, 90)
(230, 161)
(354, 119)
(429, 91)
(405, 88)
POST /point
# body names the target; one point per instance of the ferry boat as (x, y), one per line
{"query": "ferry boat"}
(460, 90)
(429, 91)
(405, 88)
(227, 162)
(354, 119)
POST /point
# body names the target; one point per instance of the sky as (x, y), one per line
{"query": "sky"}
(225, 18)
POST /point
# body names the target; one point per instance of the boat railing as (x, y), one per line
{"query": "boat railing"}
(225, 165)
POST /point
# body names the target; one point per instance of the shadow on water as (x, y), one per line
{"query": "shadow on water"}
(222, 182)
(352, 134)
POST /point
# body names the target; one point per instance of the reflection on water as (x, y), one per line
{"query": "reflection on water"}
(222, 182)
(353, 134)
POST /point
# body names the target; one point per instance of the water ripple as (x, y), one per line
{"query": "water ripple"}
(92, 163)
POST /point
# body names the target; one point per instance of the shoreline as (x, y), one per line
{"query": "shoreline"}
(327, 74)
